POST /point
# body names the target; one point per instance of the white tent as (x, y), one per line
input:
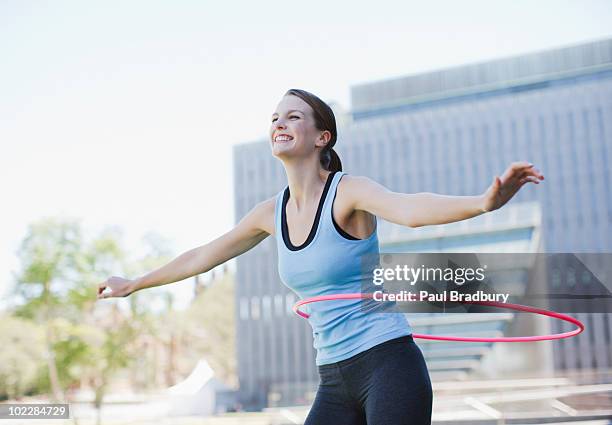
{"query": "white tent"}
(196, 395)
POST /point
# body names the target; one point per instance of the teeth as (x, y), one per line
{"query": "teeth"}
(283, 138)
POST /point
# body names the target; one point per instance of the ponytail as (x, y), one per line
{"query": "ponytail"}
(330, 160)
(324, 120)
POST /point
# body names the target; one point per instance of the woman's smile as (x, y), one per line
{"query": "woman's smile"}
(281, 138)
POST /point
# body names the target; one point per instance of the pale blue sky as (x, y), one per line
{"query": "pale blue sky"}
(124, 113)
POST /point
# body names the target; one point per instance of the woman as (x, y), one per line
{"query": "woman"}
(324, 221)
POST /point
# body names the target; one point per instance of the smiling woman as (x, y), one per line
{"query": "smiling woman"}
(324, 223)
(324, 120)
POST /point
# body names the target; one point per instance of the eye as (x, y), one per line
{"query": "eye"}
(290, 116)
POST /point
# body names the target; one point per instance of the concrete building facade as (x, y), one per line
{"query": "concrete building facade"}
(449, 132)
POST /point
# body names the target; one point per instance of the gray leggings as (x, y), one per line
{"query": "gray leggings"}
(387, 384)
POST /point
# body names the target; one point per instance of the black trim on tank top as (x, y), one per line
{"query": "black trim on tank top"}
(315, 225)
(336, 225)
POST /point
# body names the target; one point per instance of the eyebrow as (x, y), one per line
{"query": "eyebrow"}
(293, 110)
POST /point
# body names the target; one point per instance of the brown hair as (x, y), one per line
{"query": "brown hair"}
(324, 120)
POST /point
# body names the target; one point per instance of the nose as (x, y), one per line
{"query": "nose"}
(278, 127)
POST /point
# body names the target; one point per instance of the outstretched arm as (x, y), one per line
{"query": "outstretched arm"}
(424, 208)
(250, 231)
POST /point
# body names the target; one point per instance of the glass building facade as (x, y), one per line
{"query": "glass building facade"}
(450, 132)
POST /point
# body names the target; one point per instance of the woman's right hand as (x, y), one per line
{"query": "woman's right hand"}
(119, 287)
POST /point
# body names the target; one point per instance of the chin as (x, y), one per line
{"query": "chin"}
(279, 149)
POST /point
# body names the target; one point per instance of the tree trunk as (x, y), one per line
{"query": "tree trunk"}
(56, 388)
(100, 385)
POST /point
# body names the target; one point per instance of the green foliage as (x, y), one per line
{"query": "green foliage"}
(47, 256)
(56, 289)
(74, 345)
(210, 327)
(21, 357)
(92, 342)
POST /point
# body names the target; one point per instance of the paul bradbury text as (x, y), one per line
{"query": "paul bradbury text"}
(445, 296)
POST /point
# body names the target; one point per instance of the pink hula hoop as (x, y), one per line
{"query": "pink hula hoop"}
(518, 307)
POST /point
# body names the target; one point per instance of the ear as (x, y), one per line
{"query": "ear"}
(323, 139)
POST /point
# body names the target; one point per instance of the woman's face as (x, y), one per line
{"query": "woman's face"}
(292, 129)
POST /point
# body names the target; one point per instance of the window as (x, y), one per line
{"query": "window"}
(289, 302)
(555, 278)
(571, 277)
(278, 304)
(266, 306)
(255, 308)
(244, 308)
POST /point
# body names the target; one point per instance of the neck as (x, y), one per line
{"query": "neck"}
(306, 181)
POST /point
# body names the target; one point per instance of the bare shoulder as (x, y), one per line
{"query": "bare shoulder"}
(263, 215)
(351, 182)
(353, 190)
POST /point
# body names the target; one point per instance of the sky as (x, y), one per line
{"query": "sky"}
(125, 113)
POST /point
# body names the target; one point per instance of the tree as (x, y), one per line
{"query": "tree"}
(56, 287)
(85, 341)
(46, 256)
(21, 357)
(209, 327)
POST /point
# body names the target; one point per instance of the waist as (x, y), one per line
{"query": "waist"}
(405, 339)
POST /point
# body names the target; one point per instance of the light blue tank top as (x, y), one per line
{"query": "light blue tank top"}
(330, 262)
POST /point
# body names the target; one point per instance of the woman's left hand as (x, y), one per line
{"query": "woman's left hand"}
(502, 190)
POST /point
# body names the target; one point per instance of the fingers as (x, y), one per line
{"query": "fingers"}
(515, 171)
(520, 165)
(524, 169)
(101, 287)
(534, 173)
(104, 295)
(539, 174)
